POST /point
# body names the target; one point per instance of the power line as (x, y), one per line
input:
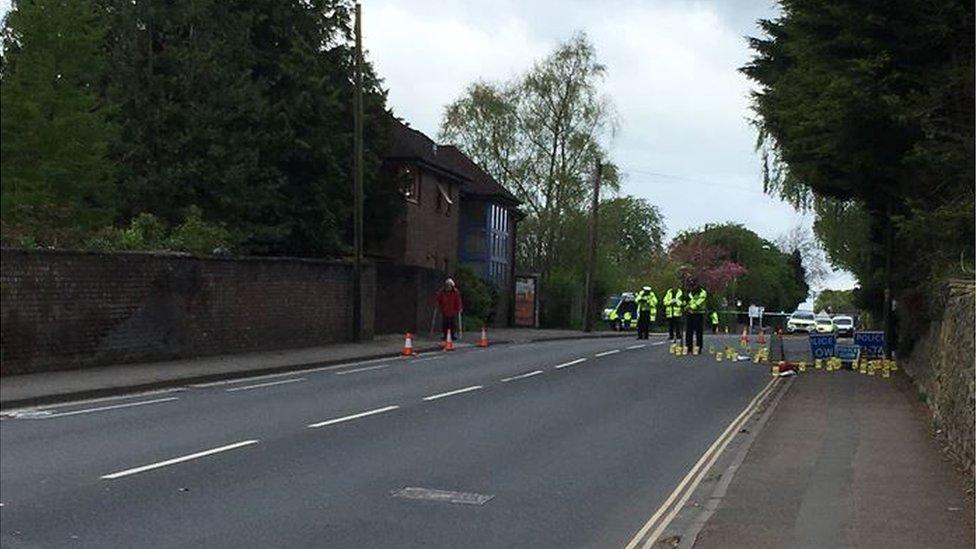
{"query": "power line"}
(691, 180)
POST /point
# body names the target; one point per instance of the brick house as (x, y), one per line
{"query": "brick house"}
(489, 215)
(454, 213)
(425, 234)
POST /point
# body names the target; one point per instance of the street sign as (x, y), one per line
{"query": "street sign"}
(756, 311)
(847, 353)
(822, 346)
(871, 343)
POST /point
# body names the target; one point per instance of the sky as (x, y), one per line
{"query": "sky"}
(684, 142)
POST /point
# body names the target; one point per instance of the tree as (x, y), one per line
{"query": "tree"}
(867, 107)
(835, 301)
(540, 135)
(773, 278)
(245, 110)
(700, 262)
(801, 241)
(54, 131)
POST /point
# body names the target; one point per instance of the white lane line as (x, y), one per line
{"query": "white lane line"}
(427, 358)
(113, 407)
(366, 369)
(605, 353)
(352, 417)
(268, 384)
(297, 371)
(454, 392)
(570, 363)
(658, 343)
(522, 376)
(54, 407)
(641, 346)
(181, 459)
(697, 472)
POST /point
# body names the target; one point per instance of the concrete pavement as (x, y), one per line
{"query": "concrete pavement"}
(61, 386)
(838, 459)
(574, 444)
(846, 461)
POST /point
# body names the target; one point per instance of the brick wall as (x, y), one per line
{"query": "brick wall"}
(75, 309)
(405, 298)
(431, 233)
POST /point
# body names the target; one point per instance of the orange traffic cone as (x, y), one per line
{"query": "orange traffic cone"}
(407, 345)
(449, 342)
(762, 337)
(744, 338)
(483, 342)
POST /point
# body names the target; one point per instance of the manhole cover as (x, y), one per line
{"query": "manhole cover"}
(444, 496)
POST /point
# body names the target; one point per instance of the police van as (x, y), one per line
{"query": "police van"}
(620, 312)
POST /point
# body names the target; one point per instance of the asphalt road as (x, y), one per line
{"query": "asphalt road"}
(573, 456)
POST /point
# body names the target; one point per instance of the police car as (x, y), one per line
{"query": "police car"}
(801, 321)
(620, 312)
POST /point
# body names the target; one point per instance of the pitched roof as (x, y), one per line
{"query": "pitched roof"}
(407, 143)
(481, 183)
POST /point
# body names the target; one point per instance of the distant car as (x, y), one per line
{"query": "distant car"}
(844, 325)
(825, 326)
(801, 321)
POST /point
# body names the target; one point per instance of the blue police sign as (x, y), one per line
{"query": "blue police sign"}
(847, 353)
(822, 346)
(871, 343)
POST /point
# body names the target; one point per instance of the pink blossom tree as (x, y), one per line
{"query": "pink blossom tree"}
(707, 264)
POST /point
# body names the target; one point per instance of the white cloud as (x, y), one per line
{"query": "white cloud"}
(672, 73)
(428, 61)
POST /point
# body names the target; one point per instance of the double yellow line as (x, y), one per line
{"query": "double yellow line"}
(654, 527)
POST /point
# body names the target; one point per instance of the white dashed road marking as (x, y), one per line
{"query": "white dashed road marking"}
(570, 363)
(522, 376)
(641, 346)
(268, 384)
(605, 353)
(352, 417)
(181, 459)
(455, 392)
(366, 369)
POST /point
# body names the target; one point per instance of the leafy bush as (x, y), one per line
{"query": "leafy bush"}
(560, 292)
(197, 236)
(147, 232)
(477, 295)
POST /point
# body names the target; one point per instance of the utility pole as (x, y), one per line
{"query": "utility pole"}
(591, 263)
(357, 216)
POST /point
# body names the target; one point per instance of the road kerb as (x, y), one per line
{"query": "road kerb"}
(690, 534)
(652, 529)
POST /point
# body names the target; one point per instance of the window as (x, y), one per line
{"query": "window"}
(408, 182)
(444, 201)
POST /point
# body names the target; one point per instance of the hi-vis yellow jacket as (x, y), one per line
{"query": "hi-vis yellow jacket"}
(647, 301)
(673, 303)
(696, 302)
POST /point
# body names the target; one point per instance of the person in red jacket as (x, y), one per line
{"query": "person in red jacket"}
(449, 304)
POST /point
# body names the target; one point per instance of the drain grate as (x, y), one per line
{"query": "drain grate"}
(443, 496)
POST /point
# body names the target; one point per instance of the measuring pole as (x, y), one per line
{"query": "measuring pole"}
(357, 216)
(591, 263)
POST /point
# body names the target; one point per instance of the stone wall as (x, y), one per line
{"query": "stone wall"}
(942, 365)
(63, 309)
